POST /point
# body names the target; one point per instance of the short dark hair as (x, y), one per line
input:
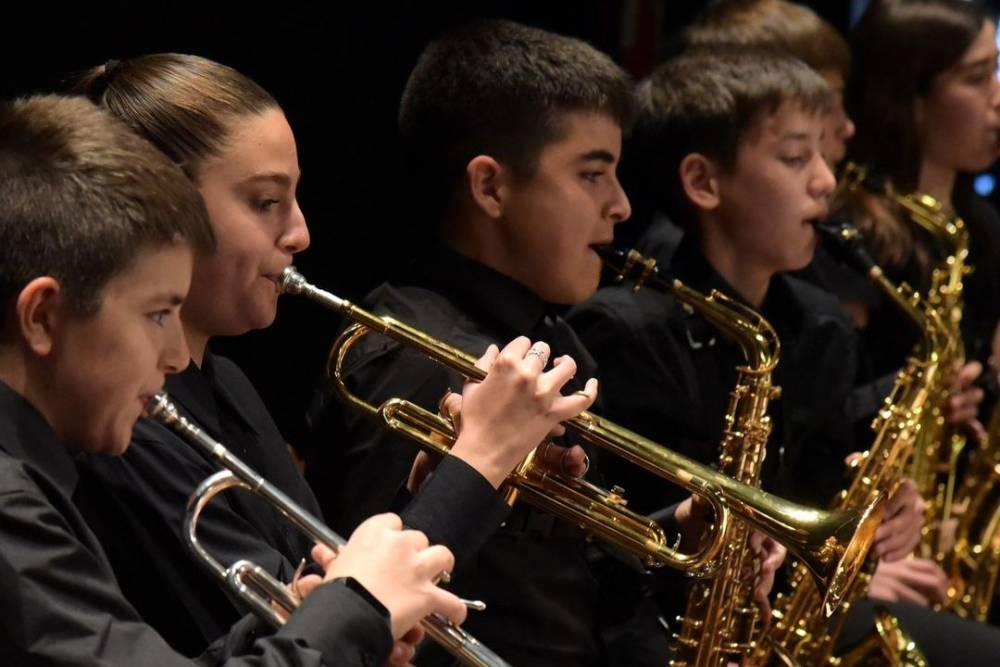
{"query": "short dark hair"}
(779, 25)
(705, 101)
(185, 105)
(81, 196)
(502, 89)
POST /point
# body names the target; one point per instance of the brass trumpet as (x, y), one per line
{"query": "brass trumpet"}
(833, 543)
(265, 595)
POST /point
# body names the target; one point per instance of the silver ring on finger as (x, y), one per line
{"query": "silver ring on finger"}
(542, 355)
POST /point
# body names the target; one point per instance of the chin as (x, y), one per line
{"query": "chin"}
(580, 292)
(261, 317)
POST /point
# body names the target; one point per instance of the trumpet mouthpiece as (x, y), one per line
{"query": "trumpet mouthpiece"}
(160, 408)
(290, 281)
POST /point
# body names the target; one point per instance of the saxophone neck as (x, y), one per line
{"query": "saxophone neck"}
(742, 324)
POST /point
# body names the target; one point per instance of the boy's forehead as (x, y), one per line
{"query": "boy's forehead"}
(585, 135)
(790, 121)
(157, 272)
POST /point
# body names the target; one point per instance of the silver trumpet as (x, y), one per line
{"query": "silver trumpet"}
(266, 596)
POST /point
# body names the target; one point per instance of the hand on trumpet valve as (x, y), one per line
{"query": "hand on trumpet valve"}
(570, 461)
(517, 406)
(692, 515)
(398, 567)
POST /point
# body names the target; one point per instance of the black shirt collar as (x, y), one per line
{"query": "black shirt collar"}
(481, 291)
(199, 392)
(781, 307)
(192, 388)
(25, 435)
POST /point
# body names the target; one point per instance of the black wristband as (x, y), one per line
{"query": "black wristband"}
(358, 587)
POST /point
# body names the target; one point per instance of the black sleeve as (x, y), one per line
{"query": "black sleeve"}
(355, 466)
(366, 472)
(62, 606)
(457, 507)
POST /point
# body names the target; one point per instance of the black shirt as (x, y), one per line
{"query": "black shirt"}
(136, 504)
(551, 598)
(667, 374)
(61, 602)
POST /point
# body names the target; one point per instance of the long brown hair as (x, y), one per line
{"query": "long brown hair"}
(899, 48)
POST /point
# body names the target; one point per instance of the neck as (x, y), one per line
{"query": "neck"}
(750, 280)
(13, 371)
(474, 238)
(937, 181)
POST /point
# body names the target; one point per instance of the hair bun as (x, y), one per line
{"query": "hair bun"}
(111, 69)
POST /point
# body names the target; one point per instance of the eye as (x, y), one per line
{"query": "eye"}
(591, 176)
(265, 204)
(795, 161)
(159, 317)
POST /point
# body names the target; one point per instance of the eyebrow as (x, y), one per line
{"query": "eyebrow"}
(171, 298)
(273, 176)
(986, 60)
(794, 136)
(598, 154)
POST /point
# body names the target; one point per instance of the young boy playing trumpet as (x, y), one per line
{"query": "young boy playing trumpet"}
(98, 232)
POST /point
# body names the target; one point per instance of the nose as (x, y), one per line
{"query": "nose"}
(847, 128)
(295, 234)
(175, 354)
(619, 208)
(823, 181)
(995, 93)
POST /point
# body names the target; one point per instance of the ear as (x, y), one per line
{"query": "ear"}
(699, 178)
(487, 181)
(39, 309)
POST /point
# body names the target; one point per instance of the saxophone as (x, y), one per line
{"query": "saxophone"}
(720, 621)
(974, 562)
(934, 467)
(799, 634)
(971, 558)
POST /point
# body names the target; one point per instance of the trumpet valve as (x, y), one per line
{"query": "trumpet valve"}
(616, 497)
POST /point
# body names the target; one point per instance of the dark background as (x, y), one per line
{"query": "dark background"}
(338, 70)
